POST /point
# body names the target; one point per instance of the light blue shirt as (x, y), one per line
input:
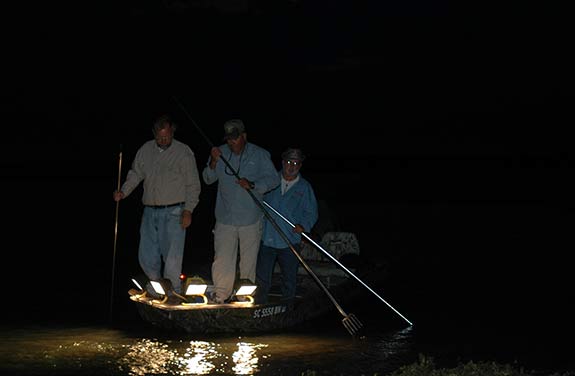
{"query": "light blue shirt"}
(234, 206)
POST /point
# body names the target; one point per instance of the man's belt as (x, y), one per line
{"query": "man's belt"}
(165, 206)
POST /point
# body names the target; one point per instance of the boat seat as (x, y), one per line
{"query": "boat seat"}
(339, 245)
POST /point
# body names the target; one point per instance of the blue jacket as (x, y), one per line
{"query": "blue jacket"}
(298, 205)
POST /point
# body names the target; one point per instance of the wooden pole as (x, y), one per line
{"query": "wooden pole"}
(115, 236)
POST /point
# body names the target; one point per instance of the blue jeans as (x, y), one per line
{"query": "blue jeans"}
(162, 239)
(288, 263)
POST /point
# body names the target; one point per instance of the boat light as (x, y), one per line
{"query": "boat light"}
(196, 289)
(140, 282)
(137, 284)
(161, 287)
(245, 291)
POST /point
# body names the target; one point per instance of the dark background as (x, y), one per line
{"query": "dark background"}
(440, 135)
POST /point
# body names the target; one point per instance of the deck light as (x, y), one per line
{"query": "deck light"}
(196, 290)
(161, 287)
(140, 282)
(245, 291)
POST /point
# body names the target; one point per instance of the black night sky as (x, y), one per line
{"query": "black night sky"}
(440, 136)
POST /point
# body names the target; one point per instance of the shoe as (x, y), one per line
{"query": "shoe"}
(174, 300)
(213, 298)
(196, 300)
(151, 292)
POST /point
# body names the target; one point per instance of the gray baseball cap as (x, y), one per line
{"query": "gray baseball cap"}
(233, 128)
(293, 154)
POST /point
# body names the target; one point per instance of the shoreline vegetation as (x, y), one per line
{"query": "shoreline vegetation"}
(426, 367)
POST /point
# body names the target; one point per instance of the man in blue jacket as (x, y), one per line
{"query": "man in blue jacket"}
(295, 200)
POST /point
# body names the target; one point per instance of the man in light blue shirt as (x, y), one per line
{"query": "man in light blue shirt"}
(239, 218)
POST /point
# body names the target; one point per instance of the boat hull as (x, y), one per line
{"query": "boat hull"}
(239, 317)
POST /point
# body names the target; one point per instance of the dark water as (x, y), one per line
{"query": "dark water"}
(91, 350)
(81, 341)
(100, 349)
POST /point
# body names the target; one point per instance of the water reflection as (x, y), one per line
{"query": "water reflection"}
(199, 356)
(93, 350)
(245, 358)
(147, 357)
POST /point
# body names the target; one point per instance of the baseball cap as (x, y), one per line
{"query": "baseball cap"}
(293, 154)
(233, 128)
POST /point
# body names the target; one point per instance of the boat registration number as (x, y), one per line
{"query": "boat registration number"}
(269, 311)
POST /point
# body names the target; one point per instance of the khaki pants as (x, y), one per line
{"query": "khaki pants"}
(226, 241)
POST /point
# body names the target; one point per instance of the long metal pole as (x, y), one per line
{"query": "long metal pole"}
(336, 261)
(351, 323)
(115, 236)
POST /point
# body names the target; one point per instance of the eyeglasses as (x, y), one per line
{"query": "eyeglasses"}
(293, 163)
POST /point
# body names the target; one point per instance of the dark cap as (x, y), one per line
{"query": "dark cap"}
(293, 154)
(233, 128)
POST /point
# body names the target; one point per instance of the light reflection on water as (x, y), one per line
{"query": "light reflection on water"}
(147, 356)
(99, 350)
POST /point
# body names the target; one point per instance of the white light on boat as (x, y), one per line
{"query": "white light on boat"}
(246, 290)
(196, 291)
(199, 289)
(137, 284)
(157, 286)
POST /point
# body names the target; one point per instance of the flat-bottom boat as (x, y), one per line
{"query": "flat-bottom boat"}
(247, 317)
